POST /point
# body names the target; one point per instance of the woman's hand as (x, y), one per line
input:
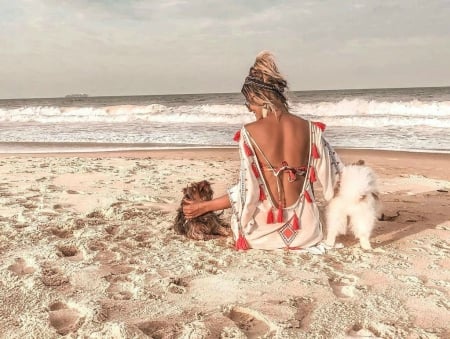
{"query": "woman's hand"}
(192, 209)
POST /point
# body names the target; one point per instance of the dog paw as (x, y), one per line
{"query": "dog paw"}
(365, 244)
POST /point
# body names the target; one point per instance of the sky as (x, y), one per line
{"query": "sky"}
(50, 48)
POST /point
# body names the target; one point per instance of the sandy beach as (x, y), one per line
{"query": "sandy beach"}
(87, 250)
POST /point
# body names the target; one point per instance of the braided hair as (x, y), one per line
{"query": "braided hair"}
(265, 84)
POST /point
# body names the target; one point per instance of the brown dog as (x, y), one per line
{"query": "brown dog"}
(204, 227)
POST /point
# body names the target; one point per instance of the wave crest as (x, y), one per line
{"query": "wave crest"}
(346, 112)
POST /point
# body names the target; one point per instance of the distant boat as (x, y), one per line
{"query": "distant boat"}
(82, 95)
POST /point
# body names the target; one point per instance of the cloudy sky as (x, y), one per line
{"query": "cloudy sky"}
(51, 48)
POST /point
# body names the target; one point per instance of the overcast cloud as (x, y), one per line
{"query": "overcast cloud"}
(109, 47)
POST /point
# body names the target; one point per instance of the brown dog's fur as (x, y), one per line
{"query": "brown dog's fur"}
(206, 226)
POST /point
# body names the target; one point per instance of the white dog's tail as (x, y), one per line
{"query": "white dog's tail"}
(357, 182)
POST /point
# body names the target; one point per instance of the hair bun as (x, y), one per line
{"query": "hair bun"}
(265, 68)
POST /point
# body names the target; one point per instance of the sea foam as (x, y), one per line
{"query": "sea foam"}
(355, 112)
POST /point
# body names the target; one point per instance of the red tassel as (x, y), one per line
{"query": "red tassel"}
(315, 152)
(295, 223)
(237, 136)
(255, 170)
(247, 150)
(312, 174)
(280, 215)
(270, 217)
(241, 243)
(320, 125)
(308, 197)
(262, 195)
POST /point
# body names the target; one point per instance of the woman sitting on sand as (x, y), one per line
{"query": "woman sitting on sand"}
(281, 156)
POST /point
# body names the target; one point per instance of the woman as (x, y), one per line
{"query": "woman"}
(281, 156)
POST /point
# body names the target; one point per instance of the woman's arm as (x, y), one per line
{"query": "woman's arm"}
(192, 209)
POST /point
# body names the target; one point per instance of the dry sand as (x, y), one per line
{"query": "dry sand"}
(87, 250)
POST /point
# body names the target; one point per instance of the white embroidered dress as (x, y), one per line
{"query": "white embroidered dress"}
(251, 201)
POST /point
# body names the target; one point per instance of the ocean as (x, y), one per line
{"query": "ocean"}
(408, 119)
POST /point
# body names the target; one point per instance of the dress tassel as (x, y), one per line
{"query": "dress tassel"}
(262, 195)
(312, 174)
(315, 152)
(255, 170)
(280, 215)
(320, 125)
(241, 243)
(237, 136)
(295, 223)
(270, 217)
(247, 150)
(308, 197)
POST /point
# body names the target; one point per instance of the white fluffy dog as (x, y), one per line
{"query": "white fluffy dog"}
(355, 205)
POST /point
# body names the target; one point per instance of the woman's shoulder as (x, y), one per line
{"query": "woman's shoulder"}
(251, 126)
(297, 122)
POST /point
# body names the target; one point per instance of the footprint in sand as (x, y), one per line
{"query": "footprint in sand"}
(177, 285)
(60, 232)
(120, 291)
(343, 287)
(304, 307)
(70, 252)
(358, 332)
(249, 321)
(159, 329)
(64, 319)
(20, 267)
(52, 276)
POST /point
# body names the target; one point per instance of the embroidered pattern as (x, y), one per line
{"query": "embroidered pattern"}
(334, 162)
(287, 232)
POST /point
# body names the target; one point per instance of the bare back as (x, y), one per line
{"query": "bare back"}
(283, 140)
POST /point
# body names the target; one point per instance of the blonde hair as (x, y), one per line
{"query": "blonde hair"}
(265, 85)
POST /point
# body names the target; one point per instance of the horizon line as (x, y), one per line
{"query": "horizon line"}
(209, 93)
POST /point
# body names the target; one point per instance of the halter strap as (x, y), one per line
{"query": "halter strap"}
(292, 171)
